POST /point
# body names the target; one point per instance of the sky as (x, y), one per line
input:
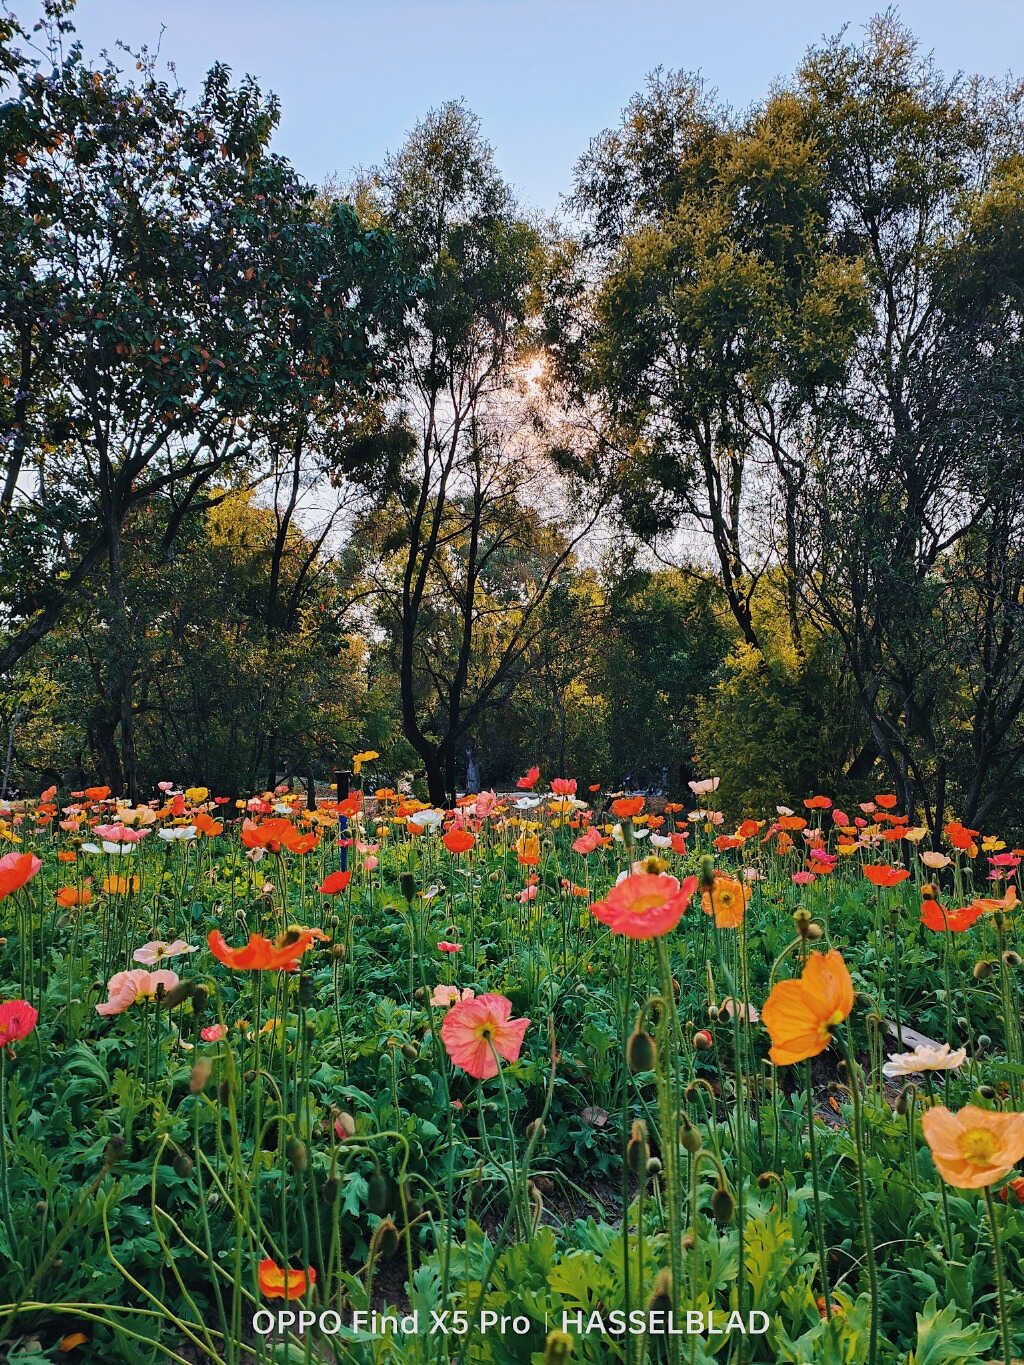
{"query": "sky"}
(544, 76)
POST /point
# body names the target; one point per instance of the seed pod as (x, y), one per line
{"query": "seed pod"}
(641, 1053)
(722, 1205)
(183, 1166)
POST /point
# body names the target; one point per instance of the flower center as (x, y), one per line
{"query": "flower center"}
(978, 1146)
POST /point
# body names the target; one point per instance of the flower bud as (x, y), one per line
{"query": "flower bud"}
(802, 920)
(410, 1051)
(703, 1041)
(983, 1042)
(113, 1151)
(722, 1205)
(344, 1125)
(1011, 958)
(814, 932)
(295, 1151)
(557, 1348)
(982, 969)
(307, 989)
(707, 873)
(767, 1178)
(183, 1166)
(637, 1150)
(689, 1136)
(385, 1238)
(641, 1053)
(904, 1100)
(653, 1165)
(987, 1092)
(661, 1298)
(200, 1075)
(535, 1126)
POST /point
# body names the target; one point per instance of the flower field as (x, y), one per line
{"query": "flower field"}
(553, 1075)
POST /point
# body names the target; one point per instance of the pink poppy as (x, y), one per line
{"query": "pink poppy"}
(124, 988)
(476, 1032)
(213, 1033)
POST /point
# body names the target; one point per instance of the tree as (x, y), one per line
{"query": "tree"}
(474, 542)
(167, 294)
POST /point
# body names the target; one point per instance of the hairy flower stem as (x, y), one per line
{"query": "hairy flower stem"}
(862, 1198)
(819, 1227)
(997, 1264)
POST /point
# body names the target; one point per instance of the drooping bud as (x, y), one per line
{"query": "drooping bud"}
(983, 968)
(641, 1052)
(637, 1150)
(200, 1075)
(689, 1135)
(722, 1205)
(183, 1165)
(295, 1151)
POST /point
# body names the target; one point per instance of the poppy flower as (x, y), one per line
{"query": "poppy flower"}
(973, 1147)
(69, 896)
(367, 756)
(158, 949)
(475, 1030)
(529, 780)
(96, 793)
(124, 988)
(817, 802)
(563, 786)
(627, 806)
(678, 841)
(261, 954)
(705, 786)
(1007, 902)
(15, 870)
(645, 904)
(935, 917)
(1016, 1188)
(445, 947)
(528, 850)
(726, 900)
(120, 886)
(334, 883)
(925, 1057)
(450, 995)
(458, 841)
(800, 1013)
(213, 1033)
(275, 1282)
(587, 842)
(17, 1020)
(881, 874)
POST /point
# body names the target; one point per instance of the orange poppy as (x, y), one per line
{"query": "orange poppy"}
(887, 800)
(206, 824)
(69, 896)
(120, 886)
(528, 850)
(67, 855)
(727, 901)
(799, 1014)
(334, 883)
(627, 806)
(973, 1147)
(278, 1283)
(97, 793)
(261, 954)
(817, 802)
(458, 841)
(1007, 902)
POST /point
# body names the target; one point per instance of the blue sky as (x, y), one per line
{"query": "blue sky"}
(543, 75)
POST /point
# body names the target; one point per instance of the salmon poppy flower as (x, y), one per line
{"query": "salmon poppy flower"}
(446, 947)
(800, 1013)
(476, 1032)
(17, 1020)
(1007, 902)
(627, 806)
(277, 1283)
(587, 842)
(881, 874)
(936, 917)
(563, 786)
(334, 883)
(529, 780)
(645, 904)
(261, 954)
(458, 841)
(15, 870)
(727, 901)
(973, 1147)
(124, 988)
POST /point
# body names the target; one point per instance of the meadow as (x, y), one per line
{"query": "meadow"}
(512, 1072)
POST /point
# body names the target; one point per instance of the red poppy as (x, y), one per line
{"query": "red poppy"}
(563, 786)
(458, 841)
(881, 874)
(934, 916)
(627, 806)
(17, 1020)
(334, 883)
(887, 801)
(530, 780)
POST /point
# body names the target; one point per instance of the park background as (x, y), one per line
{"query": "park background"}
(677, 432)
